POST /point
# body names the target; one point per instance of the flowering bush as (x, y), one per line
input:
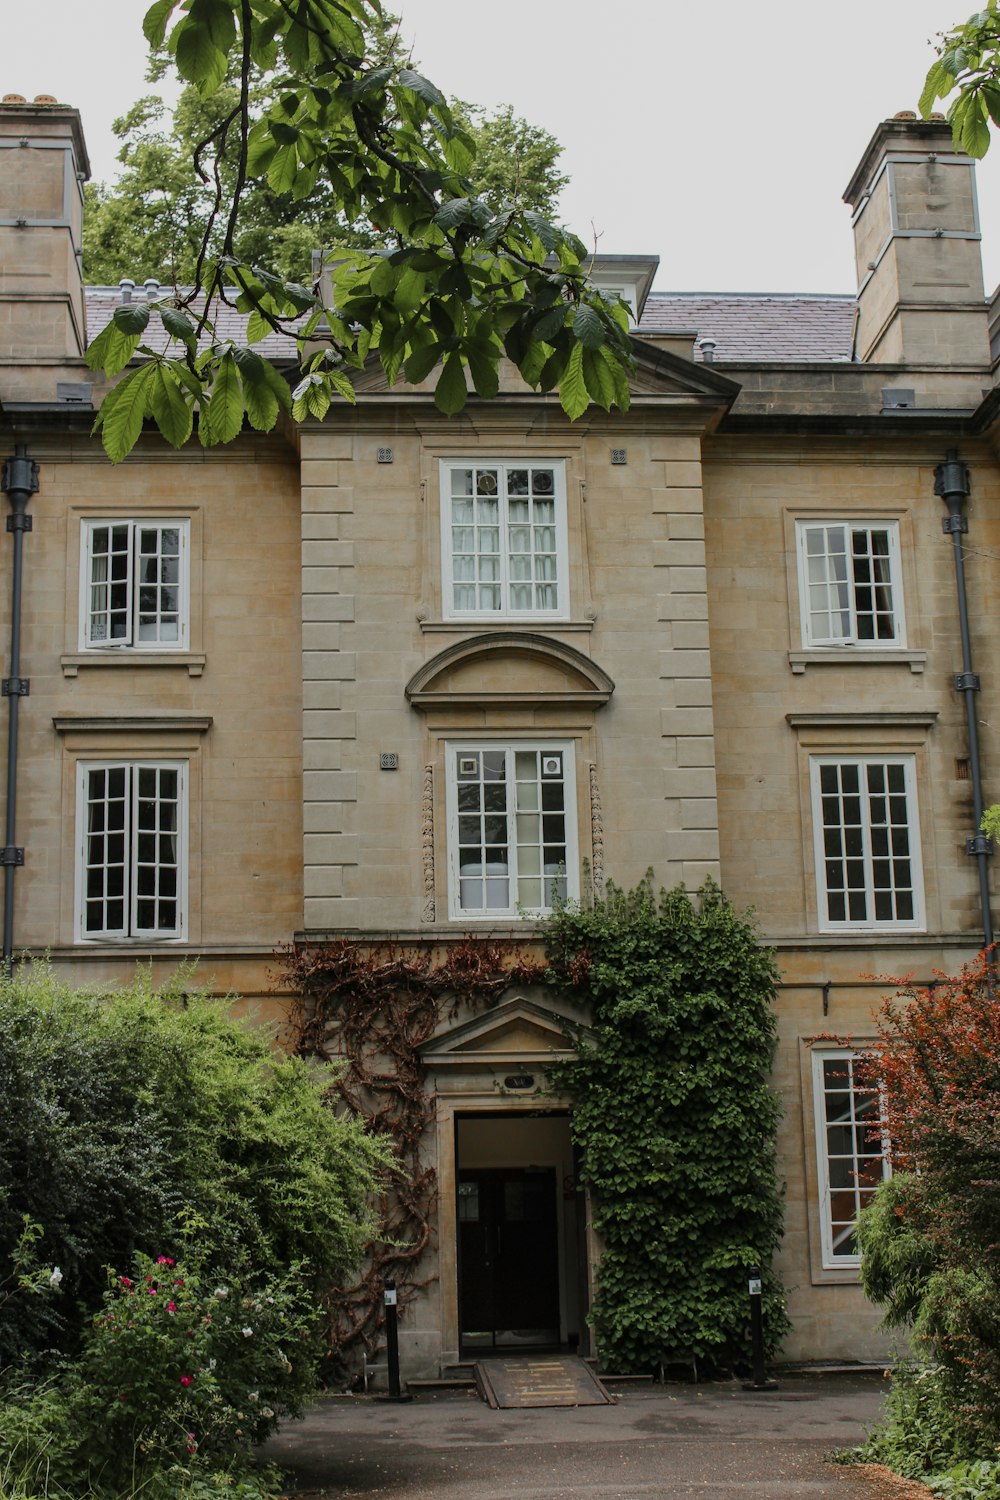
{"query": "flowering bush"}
(931, 1237)
(179, 1374)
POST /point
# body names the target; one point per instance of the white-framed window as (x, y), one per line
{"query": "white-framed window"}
(131, 850)
(850, 587)
(512, 845)
(867, 842)
(851, 1150)
(134, 586)
(503, 531)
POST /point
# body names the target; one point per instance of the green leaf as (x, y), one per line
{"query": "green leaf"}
(123, 411)
(199, 60)
(451, 392)
(938, 84)
(485, 376)
(549, 236)
(131, 317)
(975, 127)
(573, 395)
(453, 213)
(154, 22)
(587, 327)
(342, 384)
(112, 349)
(178, 325)
(421, 86)
(598, 378)
(168, 408)
(222, 412)
(384, 277)
(259, 399)
(421, 362)
(282, 171)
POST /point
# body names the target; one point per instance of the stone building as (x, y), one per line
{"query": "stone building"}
(396, 673)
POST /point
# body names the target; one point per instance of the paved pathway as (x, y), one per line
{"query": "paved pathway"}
(714, 1442)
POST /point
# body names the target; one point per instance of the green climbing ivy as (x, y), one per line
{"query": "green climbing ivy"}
(676, 1121)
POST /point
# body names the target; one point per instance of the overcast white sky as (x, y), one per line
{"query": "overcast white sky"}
(717, 134)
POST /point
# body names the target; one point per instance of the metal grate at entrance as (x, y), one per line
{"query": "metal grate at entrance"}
(545, 1381)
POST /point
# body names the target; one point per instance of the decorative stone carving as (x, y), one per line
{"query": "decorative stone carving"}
(597, 833)
(427, 844)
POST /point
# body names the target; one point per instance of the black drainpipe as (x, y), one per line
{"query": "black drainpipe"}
(19, 483)
(951, 483)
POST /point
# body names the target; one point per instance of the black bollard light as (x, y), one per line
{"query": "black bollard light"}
(392, 1342)
(755, 1287)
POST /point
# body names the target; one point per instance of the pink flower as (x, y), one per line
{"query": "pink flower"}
(186, 1380)
(124, 1281)
(151, 1290)
(164, 1260)
(171, 1307)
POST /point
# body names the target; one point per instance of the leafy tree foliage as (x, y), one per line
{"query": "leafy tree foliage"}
(968, 66)
(676, 1121)
(151, 221)
(120, 1112)
(931, 1238)
(462, 282)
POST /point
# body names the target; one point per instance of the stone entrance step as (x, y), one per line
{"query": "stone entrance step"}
(546, 1380)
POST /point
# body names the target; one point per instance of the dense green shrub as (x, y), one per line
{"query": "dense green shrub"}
(119, 1110)
(676, 1121)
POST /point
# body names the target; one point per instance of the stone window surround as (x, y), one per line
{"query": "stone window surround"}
(801, 655)
(75, 657)
(510, 744)
(148, 738)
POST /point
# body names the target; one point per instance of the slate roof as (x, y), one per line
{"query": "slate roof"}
(101, 302)
(748, 327)
(753, 327)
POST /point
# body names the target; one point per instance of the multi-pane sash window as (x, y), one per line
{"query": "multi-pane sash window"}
(512, 843)
(851, 1151)
(849, 584)
(867, 842)
(135, 584)
(504, 538)
(131, 823)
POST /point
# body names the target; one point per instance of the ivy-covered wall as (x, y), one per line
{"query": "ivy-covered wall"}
(676, 1121)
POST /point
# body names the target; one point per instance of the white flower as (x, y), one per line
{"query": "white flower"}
(254, 1395)
(221, 1292)
(248, 1333)
(55, 1278)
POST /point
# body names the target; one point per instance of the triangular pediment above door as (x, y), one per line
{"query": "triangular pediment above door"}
(516, 1032)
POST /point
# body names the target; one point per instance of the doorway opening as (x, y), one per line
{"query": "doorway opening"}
(521, 1271)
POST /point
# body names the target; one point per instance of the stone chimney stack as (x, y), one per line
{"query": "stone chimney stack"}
(43, 166)
(916, 236)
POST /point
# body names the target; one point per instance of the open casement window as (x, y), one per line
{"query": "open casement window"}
(511, 829)
(849, 584)
(504, 540)
(851, 1150)
(134, 588)
(131, 836)
(867, 842)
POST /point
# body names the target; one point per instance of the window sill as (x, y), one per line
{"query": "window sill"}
(194, 661)
(487, 622)
(847, 1275)
(838, 656)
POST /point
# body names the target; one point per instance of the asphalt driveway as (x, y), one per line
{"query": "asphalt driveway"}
(715, 1442)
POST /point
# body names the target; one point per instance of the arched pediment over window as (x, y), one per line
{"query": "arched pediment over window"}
(509, 669)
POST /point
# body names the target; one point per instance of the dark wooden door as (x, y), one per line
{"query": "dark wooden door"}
(508, 1256)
